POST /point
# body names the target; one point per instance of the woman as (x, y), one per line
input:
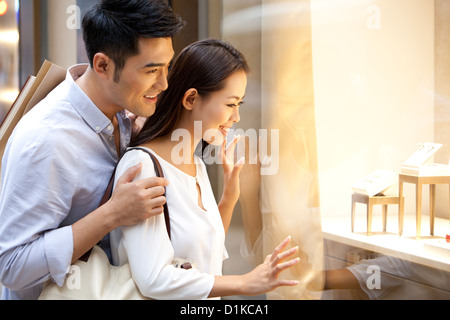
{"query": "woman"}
(210, 79)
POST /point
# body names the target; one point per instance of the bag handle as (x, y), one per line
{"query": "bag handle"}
(159, 173)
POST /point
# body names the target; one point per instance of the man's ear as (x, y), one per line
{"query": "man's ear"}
(190, 99)
(103, 66)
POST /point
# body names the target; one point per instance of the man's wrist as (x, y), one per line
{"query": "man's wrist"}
(107, 217)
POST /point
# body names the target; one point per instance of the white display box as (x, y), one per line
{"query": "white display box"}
(421, 162)
(375, 183)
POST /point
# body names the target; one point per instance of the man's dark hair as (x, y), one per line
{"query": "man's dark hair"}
(114, 27)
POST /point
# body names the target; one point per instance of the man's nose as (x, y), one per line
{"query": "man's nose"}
(162, 83)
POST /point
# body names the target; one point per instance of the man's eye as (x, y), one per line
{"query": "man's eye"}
(152, 71)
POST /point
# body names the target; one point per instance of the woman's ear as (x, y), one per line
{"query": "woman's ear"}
(190, 99)
(103, 66)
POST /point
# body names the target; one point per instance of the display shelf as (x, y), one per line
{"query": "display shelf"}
(407, 247)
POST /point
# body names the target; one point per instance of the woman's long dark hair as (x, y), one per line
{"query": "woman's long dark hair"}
(204, 65)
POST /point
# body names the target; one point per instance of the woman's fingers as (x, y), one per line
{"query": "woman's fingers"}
(280, 248)
(227, 152)
(285, 265)
(282, 256)
(222, 148)
(232, 146)
(277, 264)
(265, 277)
(238, 166)
(280, 268)
(288, 283)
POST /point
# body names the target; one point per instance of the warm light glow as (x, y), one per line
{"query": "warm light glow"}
(9, 37)
(8, 95)
(3, 7)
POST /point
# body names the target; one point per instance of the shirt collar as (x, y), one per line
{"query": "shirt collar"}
(93, 116)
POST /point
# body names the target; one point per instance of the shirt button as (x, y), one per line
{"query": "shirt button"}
(97, 128)
(109, 128)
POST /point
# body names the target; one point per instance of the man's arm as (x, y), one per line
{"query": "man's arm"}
(36, 196)
(340, 279)
(130, 203)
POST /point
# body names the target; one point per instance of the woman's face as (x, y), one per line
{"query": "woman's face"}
(220, 110)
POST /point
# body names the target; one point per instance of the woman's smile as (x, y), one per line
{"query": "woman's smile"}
(224, 130)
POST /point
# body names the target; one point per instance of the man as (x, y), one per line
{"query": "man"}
(60, 158)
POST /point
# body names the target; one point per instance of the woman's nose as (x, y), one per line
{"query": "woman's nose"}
(235, 117)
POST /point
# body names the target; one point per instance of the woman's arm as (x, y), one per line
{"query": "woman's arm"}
(149, 251)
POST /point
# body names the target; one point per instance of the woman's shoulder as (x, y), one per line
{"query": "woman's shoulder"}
(136, 153)
(133, 157)
(158, 148)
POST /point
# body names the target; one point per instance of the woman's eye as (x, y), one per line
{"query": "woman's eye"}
(235, 105)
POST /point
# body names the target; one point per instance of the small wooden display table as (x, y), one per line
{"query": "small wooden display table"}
(419, 181)
(370, 202)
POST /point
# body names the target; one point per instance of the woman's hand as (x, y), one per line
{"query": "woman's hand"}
(231, 188)
(262, 279)
(265, 277)
(231, 170)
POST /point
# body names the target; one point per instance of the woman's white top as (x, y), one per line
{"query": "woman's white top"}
(197, 235)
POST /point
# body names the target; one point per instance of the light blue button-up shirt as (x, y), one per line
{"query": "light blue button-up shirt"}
(55, 170)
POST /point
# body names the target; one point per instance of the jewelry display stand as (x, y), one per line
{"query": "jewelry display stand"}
(419, 170)
(370, 202)
(369, 191)
(419, 182)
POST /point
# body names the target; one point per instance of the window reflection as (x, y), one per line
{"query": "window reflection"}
(352, 86)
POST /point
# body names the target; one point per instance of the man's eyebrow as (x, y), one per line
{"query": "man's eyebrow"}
(154, 64)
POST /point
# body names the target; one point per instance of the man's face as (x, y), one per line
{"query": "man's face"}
(144, 77)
